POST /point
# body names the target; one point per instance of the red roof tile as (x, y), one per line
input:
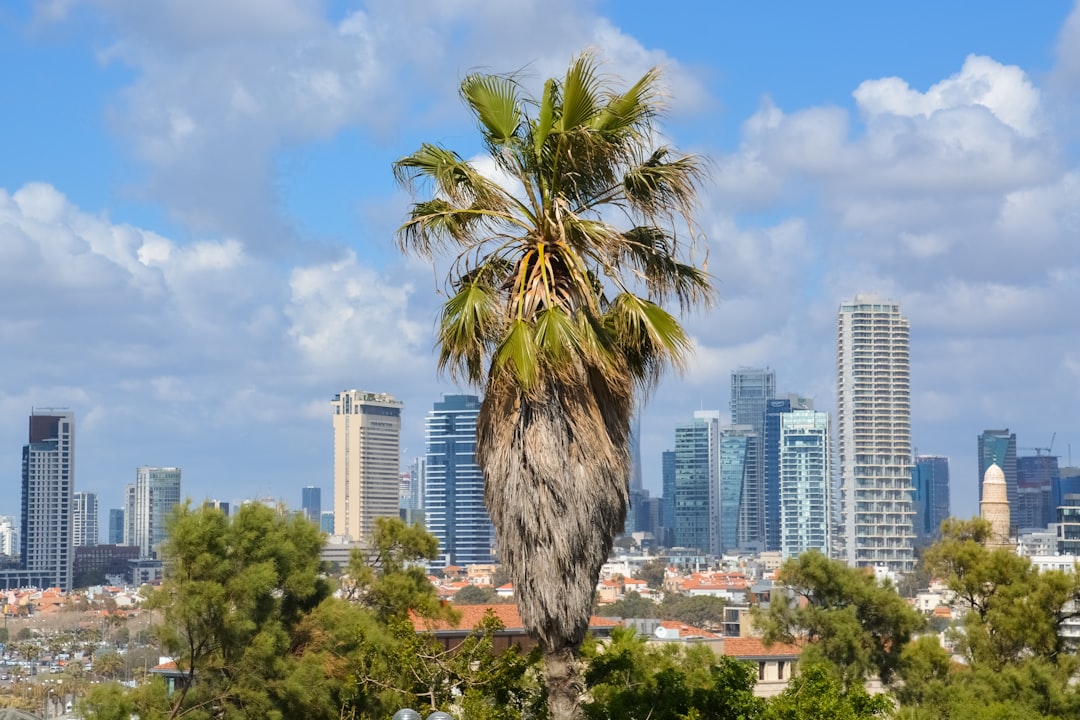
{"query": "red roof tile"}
(748, 647)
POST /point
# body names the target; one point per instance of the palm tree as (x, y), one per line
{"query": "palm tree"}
(556, 311)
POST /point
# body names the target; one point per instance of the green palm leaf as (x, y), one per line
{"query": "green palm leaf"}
(494, 100)
(517, 355)
(581, 95)
(469, 320)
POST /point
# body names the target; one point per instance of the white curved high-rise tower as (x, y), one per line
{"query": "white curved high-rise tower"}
(873, 404)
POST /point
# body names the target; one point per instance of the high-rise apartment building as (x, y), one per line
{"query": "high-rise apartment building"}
(1037, 476)
(634, 443)
(998, 447)
(667, 501)
(751, 390)
(116, 526)
(454, 507)
(739, 465)
(697, 482)
(805, 481)
(84, 524)
(873, 396)
(774, 408)
(150, 500)
(311, 503)
(930, 496)
(48, 481)
(367, 461)
(9, 536)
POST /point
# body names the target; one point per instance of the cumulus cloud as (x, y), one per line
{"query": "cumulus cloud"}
(159, 346)
(342, 314)
(222, 88)
(1005, 91)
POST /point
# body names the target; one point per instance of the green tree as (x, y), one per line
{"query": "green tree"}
(632, 605)
(816, 692)
(109, 665)
(389, 578)
(701, 611)
(851, 620)
(631, 679)
(558, 314)
(233, 591)
(476, 595)
(653, 573)
(1010, 610)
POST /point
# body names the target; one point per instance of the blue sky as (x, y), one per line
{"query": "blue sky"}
(197, 212)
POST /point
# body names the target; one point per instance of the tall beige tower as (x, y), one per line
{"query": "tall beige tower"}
(994, 507)
(367, 461)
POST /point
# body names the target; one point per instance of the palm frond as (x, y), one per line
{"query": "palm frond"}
(451, 177)
(469, 320)
(649, 338)
(580, 93)
(632, 109)
(545, 119)
(650, 250)
(556, 336)
(494, 100)
(658, 187)
(516, 356)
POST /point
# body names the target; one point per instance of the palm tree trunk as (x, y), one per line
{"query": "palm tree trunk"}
(564, 684)
(556, 483)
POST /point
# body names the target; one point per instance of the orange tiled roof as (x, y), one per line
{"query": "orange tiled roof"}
(748, 647)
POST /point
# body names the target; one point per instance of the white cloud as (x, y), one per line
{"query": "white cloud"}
(343, 315)
(222, 87)
(1005, 91)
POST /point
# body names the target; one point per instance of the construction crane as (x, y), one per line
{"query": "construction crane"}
(1040, 450)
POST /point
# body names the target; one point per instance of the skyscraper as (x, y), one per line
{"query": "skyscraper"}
(667, 502)
(311, 503)
(454, 507)
(326, 522)
(150, 500)
(84, 523)
(751, 390)
(48, 481)
(116, 526)
(930, 500)
(873, 397)
(9, 536)
(738, 476)
(634, 441)
(697, 482)
(1037, 476)
(805, 482)
(367, 461)
(774, 408)
(998, 447)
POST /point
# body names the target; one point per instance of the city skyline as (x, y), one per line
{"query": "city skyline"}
(204, 263)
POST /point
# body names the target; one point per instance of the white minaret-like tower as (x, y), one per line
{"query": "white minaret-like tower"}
(994, 507)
